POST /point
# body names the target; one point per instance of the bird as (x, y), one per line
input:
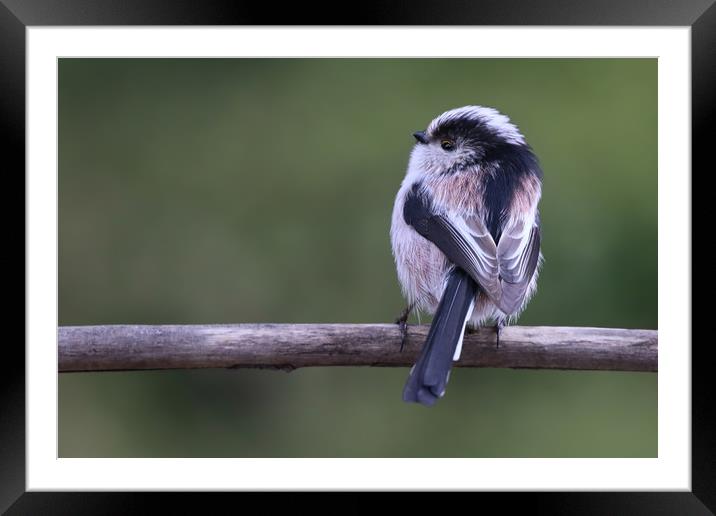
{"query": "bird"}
(465, 235)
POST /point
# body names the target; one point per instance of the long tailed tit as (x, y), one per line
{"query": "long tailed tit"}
(465, 234)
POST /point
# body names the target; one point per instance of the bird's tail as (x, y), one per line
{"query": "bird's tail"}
(430, 374)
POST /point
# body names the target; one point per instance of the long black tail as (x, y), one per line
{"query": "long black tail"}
(430, 374)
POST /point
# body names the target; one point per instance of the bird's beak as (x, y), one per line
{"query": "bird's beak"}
(421, 137)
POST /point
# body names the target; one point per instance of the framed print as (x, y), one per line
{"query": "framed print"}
(208, 206)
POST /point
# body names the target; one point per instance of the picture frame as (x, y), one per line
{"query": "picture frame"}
(17, 15)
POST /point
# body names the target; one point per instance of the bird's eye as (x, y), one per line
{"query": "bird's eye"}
(447, 145)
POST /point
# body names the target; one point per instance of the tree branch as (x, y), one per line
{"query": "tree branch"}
(288, 346)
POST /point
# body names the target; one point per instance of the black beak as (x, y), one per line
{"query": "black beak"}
(421, 137)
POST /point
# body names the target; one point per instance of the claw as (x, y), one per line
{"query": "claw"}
(498, 330)
(403, 334)
(402, 322)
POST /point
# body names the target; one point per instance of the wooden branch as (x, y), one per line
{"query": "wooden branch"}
(288, 346)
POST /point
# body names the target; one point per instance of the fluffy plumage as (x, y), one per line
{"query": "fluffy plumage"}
(468, 203)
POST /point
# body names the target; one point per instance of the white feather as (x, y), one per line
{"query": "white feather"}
(490, 117)
(458, 349)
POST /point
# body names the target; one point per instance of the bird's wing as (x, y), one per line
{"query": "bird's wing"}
(518, 256)
(466, 242)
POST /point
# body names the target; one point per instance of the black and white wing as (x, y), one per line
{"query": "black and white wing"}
(518, 255)
(465, 242)
(503, 271)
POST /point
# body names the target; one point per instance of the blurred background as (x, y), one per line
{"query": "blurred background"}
(199, 191)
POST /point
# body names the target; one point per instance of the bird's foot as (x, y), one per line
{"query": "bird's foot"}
(498, 330)
(402, 322)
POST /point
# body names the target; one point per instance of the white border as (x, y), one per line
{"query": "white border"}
(670, 471)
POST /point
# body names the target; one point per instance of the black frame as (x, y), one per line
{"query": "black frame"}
(16, 15)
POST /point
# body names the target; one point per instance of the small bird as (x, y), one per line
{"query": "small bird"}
(465, 235)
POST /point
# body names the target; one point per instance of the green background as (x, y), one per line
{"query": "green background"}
(260, 190)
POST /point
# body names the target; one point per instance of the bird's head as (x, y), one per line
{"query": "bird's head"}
(463, 138)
